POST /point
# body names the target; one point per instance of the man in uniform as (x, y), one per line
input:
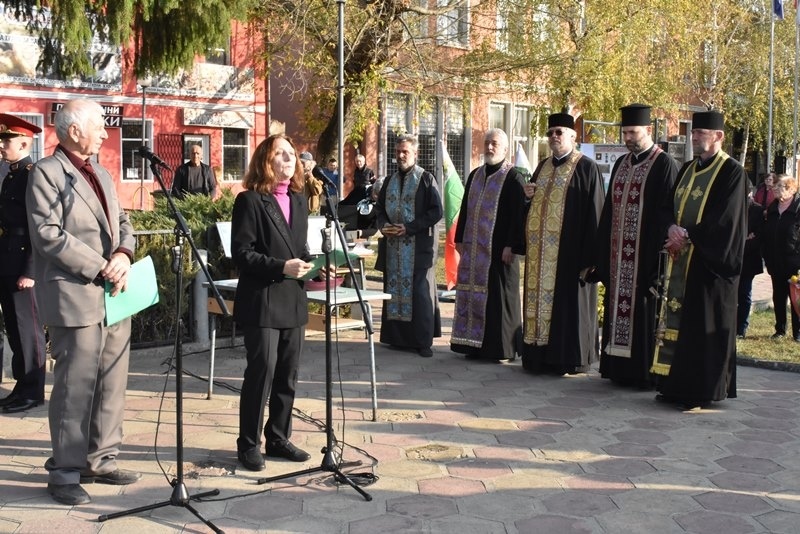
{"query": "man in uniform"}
(487, 323)
(630, 239)
(560, 308)
(408, 208)
(696, 353)
(20, 313)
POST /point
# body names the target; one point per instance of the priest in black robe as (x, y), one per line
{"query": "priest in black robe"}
(560, 330)
(696, 348)
(487, 321)
(630, 240)
(407, 210)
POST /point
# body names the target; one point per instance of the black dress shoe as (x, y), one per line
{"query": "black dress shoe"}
(287, 450)
(118, 477)
(71, 494)
(20, 405)
(8, 399)
(251, 459)
(425, 352)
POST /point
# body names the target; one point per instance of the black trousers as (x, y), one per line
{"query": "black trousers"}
(273, 358)
(780, 297)
(25, 338)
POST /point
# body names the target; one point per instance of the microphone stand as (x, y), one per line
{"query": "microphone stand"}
(180, 495)
(329, 462)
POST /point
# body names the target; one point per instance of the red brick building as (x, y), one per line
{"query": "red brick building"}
(220, 104)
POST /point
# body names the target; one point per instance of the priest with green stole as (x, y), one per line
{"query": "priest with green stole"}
(696, 349)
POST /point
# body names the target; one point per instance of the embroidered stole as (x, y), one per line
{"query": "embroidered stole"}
(473, 269)
(690, 201)
(543, 235)
(401, 196)
(626, 222)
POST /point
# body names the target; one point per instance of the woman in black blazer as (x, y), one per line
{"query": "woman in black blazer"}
(268, 240)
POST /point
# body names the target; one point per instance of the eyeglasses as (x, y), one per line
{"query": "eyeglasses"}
(557, 133)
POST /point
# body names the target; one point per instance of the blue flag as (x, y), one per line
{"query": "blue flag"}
(777, 8)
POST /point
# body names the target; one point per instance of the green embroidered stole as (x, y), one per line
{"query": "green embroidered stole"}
(690, 201)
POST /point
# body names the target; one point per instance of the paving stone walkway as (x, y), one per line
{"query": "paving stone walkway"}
(459, 447)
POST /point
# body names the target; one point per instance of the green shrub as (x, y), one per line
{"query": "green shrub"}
(155, 236)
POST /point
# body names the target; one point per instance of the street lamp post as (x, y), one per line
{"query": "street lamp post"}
(144, 83)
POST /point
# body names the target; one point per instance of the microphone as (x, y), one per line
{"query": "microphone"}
(149, 155)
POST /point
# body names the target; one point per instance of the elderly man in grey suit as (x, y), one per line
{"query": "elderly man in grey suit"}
(81, 239)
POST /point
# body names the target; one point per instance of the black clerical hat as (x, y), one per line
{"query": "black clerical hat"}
(708, 120)
(635, 115)
(564, 120)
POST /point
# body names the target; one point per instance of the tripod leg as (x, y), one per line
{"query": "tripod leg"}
(162, 504)
(342, 477)
(132, 511)
(208, 523)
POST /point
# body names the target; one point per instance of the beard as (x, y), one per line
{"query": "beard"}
(493, 160)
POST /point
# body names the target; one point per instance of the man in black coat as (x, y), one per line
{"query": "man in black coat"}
(194, 177)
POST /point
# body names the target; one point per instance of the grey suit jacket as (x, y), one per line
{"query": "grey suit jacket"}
(71, 239)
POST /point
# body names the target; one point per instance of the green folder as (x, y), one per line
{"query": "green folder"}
(337, 258)
(142, 292)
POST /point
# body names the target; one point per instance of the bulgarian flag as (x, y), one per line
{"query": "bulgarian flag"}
(453, 192)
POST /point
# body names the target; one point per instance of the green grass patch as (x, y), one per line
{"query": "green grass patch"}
(758, 344)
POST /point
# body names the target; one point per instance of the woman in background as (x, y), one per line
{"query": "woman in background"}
(268, 241)
(781, 249)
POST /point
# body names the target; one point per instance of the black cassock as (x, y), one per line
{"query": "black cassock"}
(573, 335)
(703, 366)
(632, 366)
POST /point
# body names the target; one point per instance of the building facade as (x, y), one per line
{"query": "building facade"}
(219, 104)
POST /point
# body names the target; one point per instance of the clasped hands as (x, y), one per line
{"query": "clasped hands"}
(677, 240)
(394, 229)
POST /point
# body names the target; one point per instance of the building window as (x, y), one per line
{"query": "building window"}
(455, 139)
(219, 56)
(234, 154)
(428, 114)
(497, 116)
(502, 33)
(452, 27)
(522, 132)
(133, 166)
(398, 114)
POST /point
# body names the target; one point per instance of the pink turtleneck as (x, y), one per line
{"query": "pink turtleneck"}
(281, 194)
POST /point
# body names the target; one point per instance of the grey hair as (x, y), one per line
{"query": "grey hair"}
(408, 138)
(76, 112)
(496, 132)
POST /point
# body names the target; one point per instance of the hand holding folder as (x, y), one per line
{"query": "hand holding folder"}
(337, 258)
(142, 292)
